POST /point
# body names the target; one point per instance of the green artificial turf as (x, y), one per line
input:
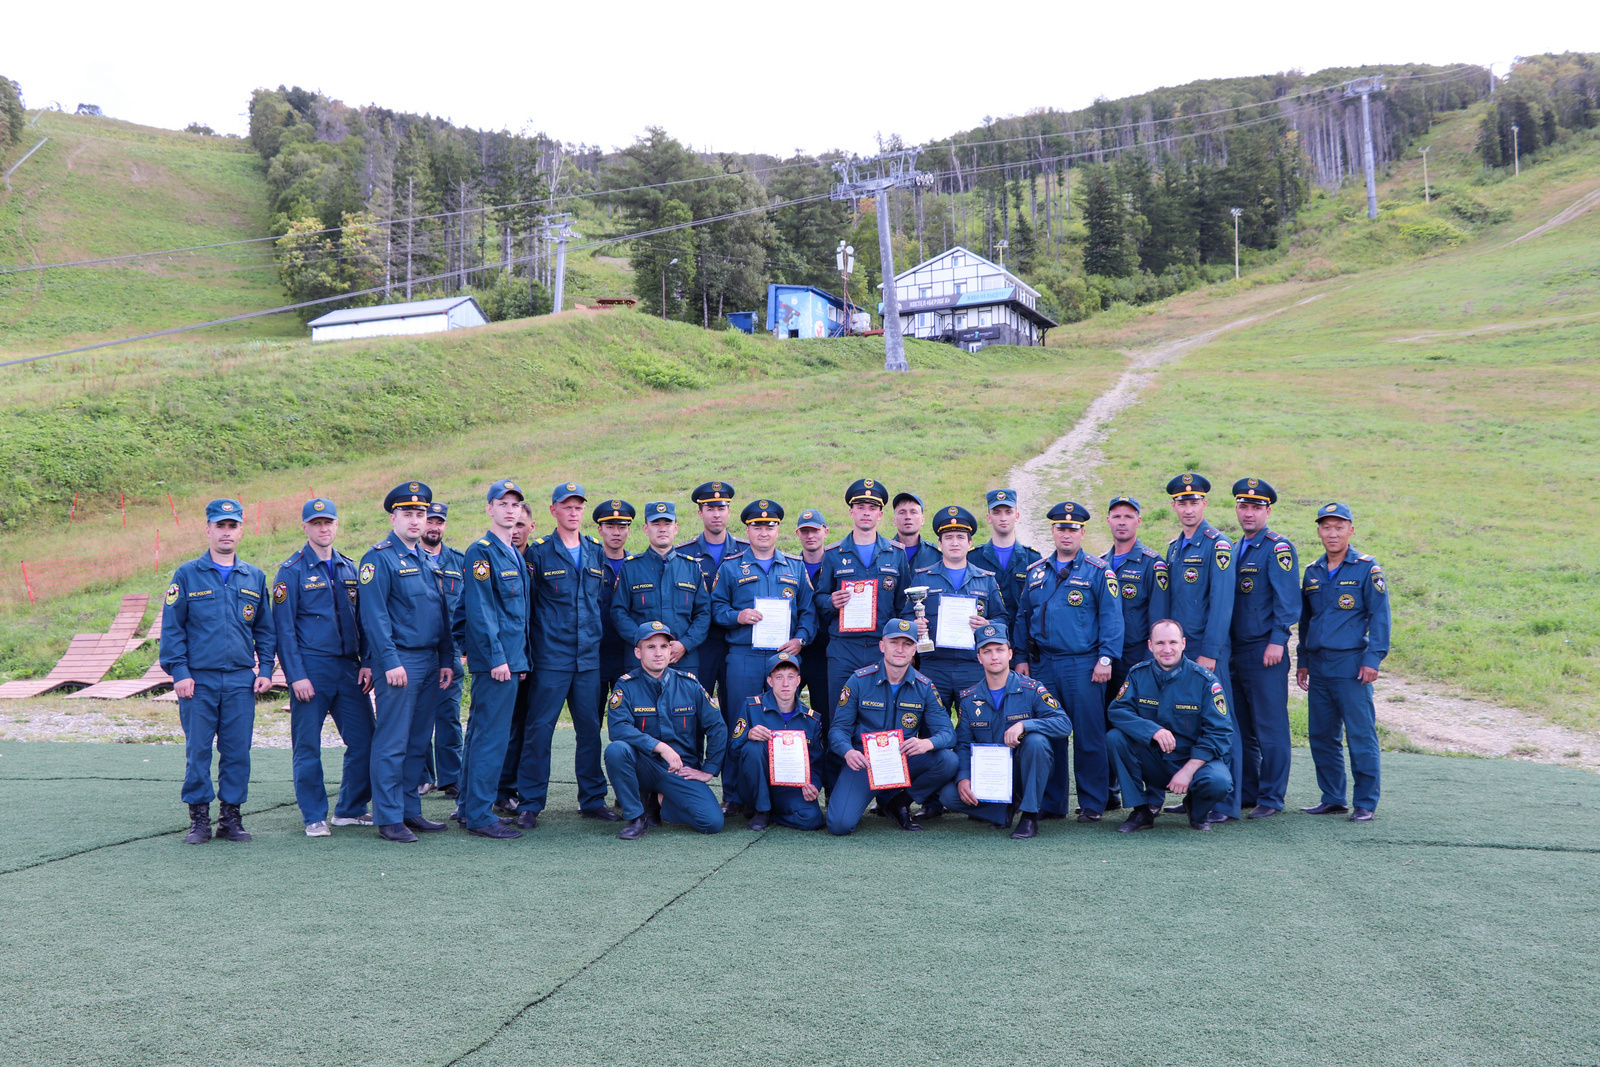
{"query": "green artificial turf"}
(1456, 929)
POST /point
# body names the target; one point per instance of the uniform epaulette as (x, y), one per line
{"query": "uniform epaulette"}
(862, 672)
(919, 676)
(383, 544)
(1096, 561)
(539, 540)
(625, 677)
(292, 560)
(1030, 683)
(979, 571)
(924, 570)
(341, 555)
(1040, 562)
(1150, 553)
(483, 541)
(1362, 557)
(591, 540)
(630, 555)
(968, 691)
(1213, 533)
(753, 701)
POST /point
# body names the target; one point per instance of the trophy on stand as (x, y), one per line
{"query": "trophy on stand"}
(917, 594)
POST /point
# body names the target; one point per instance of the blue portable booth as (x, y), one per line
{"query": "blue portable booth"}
(804, 311)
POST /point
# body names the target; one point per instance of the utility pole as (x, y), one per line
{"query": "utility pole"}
(1364, 88)
(1426, 196)
(1002, 246)
(878, 175)
(411, 223)
(558, 228)
(1236, 212)
(1516, 150)
(845, 258)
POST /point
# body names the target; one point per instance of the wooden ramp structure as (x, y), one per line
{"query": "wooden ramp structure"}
(279, 681)
(122, 688)
(89, 657)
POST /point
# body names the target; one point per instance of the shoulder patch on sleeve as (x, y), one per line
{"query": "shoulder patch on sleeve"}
(172, 594)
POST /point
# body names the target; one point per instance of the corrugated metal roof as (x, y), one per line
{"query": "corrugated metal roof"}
(391, 311)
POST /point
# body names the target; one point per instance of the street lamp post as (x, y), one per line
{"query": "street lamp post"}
(1002, 246)
(1236, 212)
(673, 263)
(1516, 150)
(1426, 197)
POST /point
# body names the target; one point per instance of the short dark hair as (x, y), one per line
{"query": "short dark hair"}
(1168, 622)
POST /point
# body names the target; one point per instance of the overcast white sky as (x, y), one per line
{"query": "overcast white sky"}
(736, 76)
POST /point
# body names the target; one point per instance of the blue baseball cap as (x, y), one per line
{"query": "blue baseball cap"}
(900, 628)
(902, 497)
(320, 508)
(992, 633)
(439, 508)
(651, 629)
(783, 659)
(225, 510)
(657, 510)
(1124, 501)
(1000, 498)
(566, 491)
(502, 487)
(1326, 511)
(811, 517)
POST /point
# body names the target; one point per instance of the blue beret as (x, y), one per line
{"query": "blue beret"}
(225, 509)
(992, 633)
(1119, 501)
(713, 493)
(954, 518)
(320, 508)
(660, 509)
(782, 659)
(900, 628)
(1254, 489)
(651, 629)
(1069, 513)
(759, 512)
(1334, 511)
(408, 495)
(866, 491)
(1001, 498)
(439, 508)
(1188, 484)
(613, 511)
(566, 491)
(811, 517)
(504, 486)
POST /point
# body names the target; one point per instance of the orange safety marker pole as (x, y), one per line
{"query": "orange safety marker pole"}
(25, 583)
(73, 512)
(174, 508)
(122, 502)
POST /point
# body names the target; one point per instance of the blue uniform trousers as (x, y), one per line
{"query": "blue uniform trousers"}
(846, 655)
(1229, 805)
(712, 660)
(1338, 700)
(442, 759)
(400, 737)
(337, 694)
(950, 677)
(851, 793)
(1145, 770)
(223, 708)
(1030, 773)
(548, 691)
(1261, 707)
(515, 735)
(822, 700)
(744, 675)
(1070, 681)
(635, 775)
(1119, 674)
(488, 733)
(788, 807)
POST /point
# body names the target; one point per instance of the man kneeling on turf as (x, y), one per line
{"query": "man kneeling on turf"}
(777, 709)
(1169, 732)
(890, 695)
(660, 719)
(1010, 709)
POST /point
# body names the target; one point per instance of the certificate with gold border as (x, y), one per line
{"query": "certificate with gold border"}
(788, 758)
(860, 613)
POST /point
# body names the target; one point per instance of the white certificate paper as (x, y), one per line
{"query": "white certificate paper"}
(886, 765)
(954, 630)
(991, 773)
(773, 629)
(788, 758)
(860, 613)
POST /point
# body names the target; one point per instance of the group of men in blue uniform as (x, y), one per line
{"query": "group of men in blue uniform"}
(1143, 674)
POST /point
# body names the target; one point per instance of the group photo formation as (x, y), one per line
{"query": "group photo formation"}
(942, 677)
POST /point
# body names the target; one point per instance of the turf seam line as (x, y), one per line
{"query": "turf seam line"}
(125, 841)
(1473, 844)
(618, 943)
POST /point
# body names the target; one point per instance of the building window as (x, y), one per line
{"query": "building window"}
(923, 292)
(983, 317)
(958, 260)
(961, 287)
(961, 322)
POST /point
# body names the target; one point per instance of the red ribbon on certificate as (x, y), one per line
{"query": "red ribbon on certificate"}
(886, 762)
(788, 758)
(860, 613)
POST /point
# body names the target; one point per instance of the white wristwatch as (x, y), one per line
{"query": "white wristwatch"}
(1105, 661)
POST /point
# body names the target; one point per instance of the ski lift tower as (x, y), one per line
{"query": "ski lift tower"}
(877, 176)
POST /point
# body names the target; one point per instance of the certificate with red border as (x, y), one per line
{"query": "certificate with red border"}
(788, 758)
(886, 763)
(860, 613)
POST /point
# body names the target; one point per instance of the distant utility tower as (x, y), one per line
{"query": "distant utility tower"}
(878, 175)
(1364, 88)
(557, 228)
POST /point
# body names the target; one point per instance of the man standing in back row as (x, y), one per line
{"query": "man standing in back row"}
(1003, 554)
(714, 547)
(442, 759)
(662, 585)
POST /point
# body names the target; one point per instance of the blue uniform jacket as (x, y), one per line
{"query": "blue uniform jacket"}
(612, 646)
(495, 606)
(865, 707)
(699, 551)
(667, 589)
(567, 625)
(1146, 596)
(313, 615)
(1265, 602)
(742, 579)
(979, 722)
(1202, 596)
(1075, 613)
(1186, 700)
(1345, 612)
(763, 711)
(841, 564)
(644, 711)
(978, 583)
(926, 554)
(403, 606)
(212, 625)
(453, 571)
(1012, 577)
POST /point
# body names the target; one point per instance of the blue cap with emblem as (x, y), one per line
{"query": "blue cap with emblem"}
(992, 633)
(320, 508)
(1188, 486)
(1000, 498)
(1069, 513)
(566, 491)
(225, 510)
(1124, 502)
(762, 513)
(811, 517)
(1254, 489)
(899, 628)
(1335, 511)
(712, 493)
(903, 497)
(504, 487)
(954, 518)
(783, 659)
(651, 629)
(661, 511)
(866, 491)
(409, 495)
(613, 511)
(439, 509)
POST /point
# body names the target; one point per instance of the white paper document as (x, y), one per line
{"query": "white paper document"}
(860, 613)
(773, 629)
(886, 767)
(954, 631)
(788, 758)
(991, 773)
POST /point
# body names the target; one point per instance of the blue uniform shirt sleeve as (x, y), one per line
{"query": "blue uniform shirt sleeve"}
(1216, 738)
(1376, 598)
(1021, 632)
(806, 624)
(174, 633)
(1302, 652)
(1108, 609)
(283, 611)
(1215, 641)
(621, 725)
(621, 597)
(374, 602)
(1048, 717)
(262, 632)
(714, 730)
(1160, 602)
(723, 613)
(1285, 591)
(941, 731)
(1124, 711)
(963, 745)
(699, 617)
(482, 614)
(842, 731)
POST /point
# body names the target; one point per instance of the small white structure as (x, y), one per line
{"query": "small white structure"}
(963, 299)
(387, 320)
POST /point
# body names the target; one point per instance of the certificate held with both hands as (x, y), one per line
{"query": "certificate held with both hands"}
(773, 631)
(991, 774)
(860, 613)
(954, 630)
(886, 762)
(788, 758)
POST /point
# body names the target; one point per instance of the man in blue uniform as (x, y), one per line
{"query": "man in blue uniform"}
(442, 759)
(908, 519)
(567, 580)
(1142, 576)
(1003, 554)
(761, 571)
(495, 609)
(218, 645)
(710, 550)
(1069, 628)
(1265, 605)
(812, 530)
(1169, 734)
(405, 622)
(319, 644)
(521, 534)
(883, 696)
(778, 708)
(661, 585)
(1199, 568)
(1344, 636)
(865, 564)
(952, 669)
(1010, 709)
(660, 721)
(614, 520)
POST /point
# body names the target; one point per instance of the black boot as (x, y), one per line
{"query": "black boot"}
(229, 825)
(1027, 827)
(199, 825)
(900, 808)
(652, 812)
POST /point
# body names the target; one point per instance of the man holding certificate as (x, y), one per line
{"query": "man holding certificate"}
(892, 733)
(775, 750)
(1003, 741)
(660, 720)
(960, 598)
(762, 601)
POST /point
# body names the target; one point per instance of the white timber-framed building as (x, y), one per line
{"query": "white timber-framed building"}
(388, 320)
(963, 299)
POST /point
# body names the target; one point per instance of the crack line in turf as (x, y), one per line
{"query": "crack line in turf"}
(1471, 844)
(618, 943)
(127, 841)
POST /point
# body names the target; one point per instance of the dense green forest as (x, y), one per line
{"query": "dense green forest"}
(12, 117)
(1547, 99)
